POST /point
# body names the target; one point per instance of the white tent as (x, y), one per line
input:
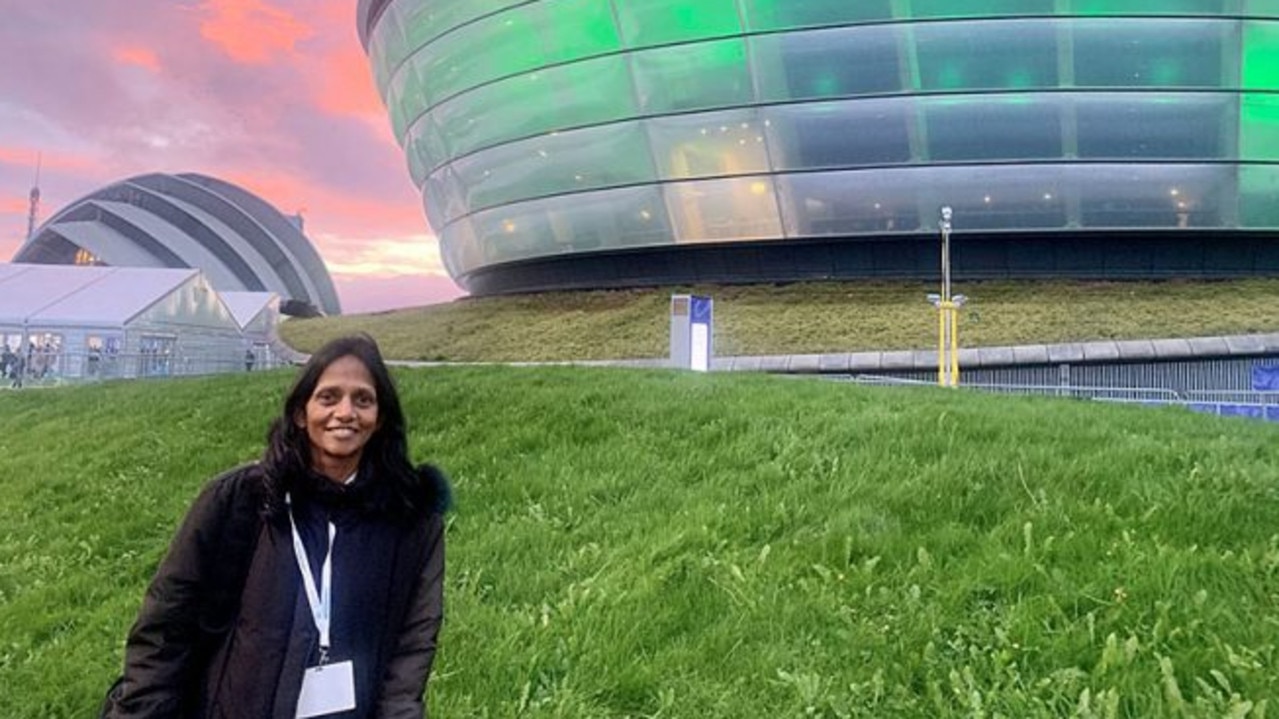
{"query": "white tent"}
(64, 321)
(258, 315)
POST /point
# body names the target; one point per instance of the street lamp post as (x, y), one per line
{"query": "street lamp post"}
(947, 313)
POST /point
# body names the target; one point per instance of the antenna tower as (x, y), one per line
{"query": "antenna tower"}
(33, 213)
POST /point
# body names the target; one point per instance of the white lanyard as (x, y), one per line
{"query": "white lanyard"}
(321, 602)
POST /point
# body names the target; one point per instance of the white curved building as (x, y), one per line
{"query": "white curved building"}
(239, 241)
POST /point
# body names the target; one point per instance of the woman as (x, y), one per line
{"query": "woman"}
(232, 626)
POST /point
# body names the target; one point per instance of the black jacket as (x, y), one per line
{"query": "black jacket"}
(225, 630)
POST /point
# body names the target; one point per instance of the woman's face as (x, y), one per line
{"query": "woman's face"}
(340, 417)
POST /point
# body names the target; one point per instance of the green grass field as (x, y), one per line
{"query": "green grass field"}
(654, 544)
(805, 318)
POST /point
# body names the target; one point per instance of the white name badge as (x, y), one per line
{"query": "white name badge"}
(326, 689)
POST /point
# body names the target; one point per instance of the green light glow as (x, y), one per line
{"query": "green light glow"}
(1019, 78)
(653, 22)
(1261, 56)
(1259, 127)
(1166, 71)
(1261, 8)
(825, 84)
(783, 14)
(1148, 7)
(1258, 188)
(949, 77)
(693, 77)
(979, 8)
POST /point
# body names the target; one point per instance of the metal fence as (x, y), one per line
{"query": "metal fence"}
(1198, 374)
(50, 369)
(1225, 403)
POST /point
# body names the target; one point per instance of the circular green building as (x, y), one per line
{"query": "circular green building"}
(608, 143)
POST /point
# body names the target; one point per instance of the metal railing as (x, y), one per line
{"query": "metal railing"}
(51, 369)
(1226, 403)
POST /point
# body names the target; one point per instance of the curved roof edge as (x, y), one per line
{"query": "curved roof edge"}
(367, 13)
(291, 239)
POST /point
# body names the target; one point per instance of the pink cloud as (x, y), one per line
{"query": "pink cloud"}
(328, 209)
(252, 32)
(346, 86)
(28, 156)
(138, 56)
(273, 95)
(13, 205)
(376, 294)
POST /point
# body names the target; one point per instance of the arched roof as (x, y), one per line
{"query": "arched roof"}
(188, 220)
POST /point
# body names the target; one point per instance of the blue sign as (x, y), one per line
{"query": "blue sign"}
(700, 309)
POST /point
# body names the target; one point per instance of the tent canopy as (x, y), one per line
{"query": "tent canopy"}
(62, 295)
(244, 306)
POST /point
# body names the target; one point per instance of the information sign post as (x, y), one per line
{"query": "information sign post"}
(692, 318)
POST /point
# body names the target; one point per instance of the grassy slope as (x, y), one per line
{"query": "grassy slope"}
(804, 318)
(638, 544)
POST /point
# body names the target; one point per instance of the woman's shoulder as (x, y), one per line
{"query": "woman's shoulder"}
(433, 485)
(240, 488)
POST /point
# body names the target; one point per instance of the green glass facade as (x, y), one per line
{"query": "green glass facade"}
(581, 129)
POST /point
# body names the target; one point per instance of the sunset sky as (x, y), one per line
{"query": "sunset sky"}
(273, 95)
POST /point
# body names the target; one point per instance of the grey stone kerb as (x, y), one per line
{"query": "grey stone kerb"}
(1109, 351)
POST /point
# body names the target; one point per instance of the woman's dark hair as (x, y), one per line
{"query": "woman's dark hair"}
(288, 453)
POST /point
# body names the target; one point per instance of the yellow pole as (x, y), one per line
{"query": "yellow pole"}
(941, 343)
(954, 345)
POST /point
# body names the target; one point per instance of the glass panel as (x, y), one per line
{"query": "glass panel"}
(979, 8)
(418, 170)
(849, 203)
(425, 20)
(996, 54)
(783, 14)
(891, 201)
(736, 209)
(992, 128)
(1163, 7)
(585, 93)
(460, 248)
(1261, 55)
(386, 49)
(828, 63)
(655, 22)
(1261, 8)
(406, 100)
(1151, 196)
(1258, 188)
(514, 41)
(708, 144)
(1006, 198)
(1150, 53)
(575, 29)
(451, 64)
(692, 77)
(840, 134)
(443, 194)
(1259, 127)
(608, 219)
(582, 93)
(560, 162)
(1162, 126)
(426, 142)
